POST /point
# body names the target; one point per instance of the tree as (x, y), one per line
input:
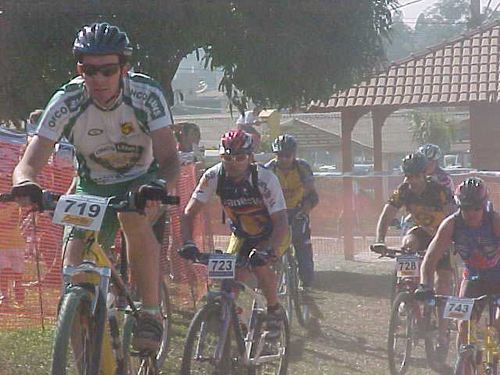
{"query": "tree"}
(432, 128)
(444, 20)
(276, 52)
(401, 41)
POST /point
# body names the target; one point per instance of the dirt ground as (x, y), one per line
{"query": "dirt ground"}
(354, 299)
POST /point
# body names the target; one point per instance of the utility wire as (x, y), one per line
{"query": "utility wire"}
(410, 3)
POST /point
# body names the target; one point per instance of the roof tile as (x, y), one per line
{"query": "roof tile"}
(453, 72)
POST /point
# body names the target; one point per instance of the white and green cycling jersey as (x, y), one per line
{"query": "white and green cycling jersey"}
(112, 145)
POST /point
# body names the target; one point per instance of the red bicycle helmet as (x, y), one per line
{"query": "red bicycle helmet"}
(236, 141)
(471, 193)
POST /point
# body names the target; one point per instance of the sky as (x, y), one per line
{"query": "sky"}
(412, 11)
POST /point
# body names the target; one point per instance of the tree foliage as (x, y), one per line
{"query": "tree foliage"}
(432, 128)
(276, 52)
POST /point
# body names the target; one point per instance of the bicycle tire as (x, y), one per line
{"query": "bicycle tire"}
(76, 304)
(208, 320)
(295, 291)
(461, 362)
(401, 308)
(283, 366)
(285, 285)
(128, 327)
(431, 323)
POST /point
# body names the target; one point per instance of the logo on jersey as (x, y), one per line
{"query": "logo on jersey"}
(127, 128)
(73, 102)
(94, 132)
(154, 104)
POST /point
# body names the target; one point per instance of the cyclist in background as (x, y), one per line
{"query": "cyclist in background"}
(433, 154)
(429, 203)
(475, 231)
(119, 123)
(252, 199)
(297, 181)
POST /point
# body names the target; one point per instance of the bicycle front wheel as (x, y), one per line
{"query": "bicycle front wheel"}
(281, 346)
(285, 284)
(401, 329)
(78, 335)
(465, 364)
(203, 336)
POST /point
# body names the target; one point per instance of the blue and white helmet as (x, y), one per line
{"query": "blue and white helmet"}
(431, 151)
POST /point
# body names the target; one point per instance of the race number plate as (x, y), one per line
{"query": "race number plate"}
(408, 266)
(81, 211)
(222, 266)
(458, 308)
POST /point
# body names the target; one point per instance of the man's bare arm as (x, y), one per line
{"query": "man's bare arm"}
(165, 153)
(438, 246)
(34, 159)
(280, 229)
(192, 209)
(386, 217)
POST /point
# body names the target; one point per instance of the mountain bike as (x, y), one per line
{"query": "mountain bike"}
(410, 320)
(480, 353)
(219, 341)
(87, 337)
(292, 296)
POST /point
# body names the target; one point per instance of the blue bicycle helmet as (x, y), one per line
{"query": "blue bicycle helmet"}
(284, 143)
(101, 39)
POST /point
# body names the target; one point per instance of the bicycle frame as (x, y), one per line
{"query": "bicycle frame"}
(489, 347)
(97, 270)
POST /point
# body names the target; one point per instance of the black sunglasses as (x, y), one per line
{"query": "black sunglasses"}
(107, 70)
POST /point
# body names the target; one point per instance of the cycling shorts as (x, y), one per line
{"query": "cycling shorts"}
(424, 239)
(110, 223)
(243, 246)
(477, 288)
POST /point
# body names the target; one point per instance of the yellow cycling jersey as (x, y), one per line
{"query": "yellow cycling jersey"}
(428, 208)
(292, 181)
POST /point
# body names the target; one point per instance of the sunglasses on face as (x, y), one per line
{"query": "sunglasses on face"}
(285, 155)
(237, 157)
(107, 70)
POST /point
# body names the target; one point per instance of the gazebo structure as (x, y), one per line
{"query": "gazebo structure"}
(463, 72)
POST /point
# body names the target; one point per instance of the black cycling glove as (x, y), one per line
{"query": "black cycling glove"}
(28, 189)
(189, 251)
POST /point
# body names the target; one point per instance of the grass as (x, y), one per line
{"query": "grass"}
(353, 297)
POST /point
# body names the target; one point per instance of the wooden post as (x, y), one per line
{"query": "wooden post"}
(349, 119)
(378, 119)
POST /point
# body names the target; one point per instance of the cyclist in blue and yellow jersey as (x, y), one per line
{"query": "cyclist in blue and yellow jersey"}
(475, 231)
(429, 203)
(297, 181)
(119, 123)
(252, 199)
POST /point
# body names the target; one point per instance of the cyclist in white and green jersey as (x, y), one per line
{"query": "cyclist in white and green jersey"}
(119, 123)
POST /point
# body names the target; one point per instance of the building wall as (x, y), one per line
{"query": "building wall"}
(485, 136)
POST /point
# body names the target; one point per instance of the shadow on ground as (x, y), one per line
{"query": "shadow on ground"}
(361, 284)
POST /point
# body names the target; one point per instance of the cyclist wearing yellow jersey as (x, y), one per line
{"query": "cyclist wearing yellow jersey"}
(429, 203)
(297, 181)
(252, 199)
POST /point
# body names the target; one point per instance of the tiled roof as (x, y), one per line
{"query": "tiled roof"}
(397, 136)
(456, 72)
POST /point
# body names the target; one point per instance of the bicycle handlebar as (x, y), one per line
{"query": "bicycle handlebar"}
(123, 203)
(255, 258)
(394, 253)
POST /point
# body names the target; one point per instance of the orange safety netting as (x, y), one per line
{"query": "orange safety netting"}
(30, 248)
